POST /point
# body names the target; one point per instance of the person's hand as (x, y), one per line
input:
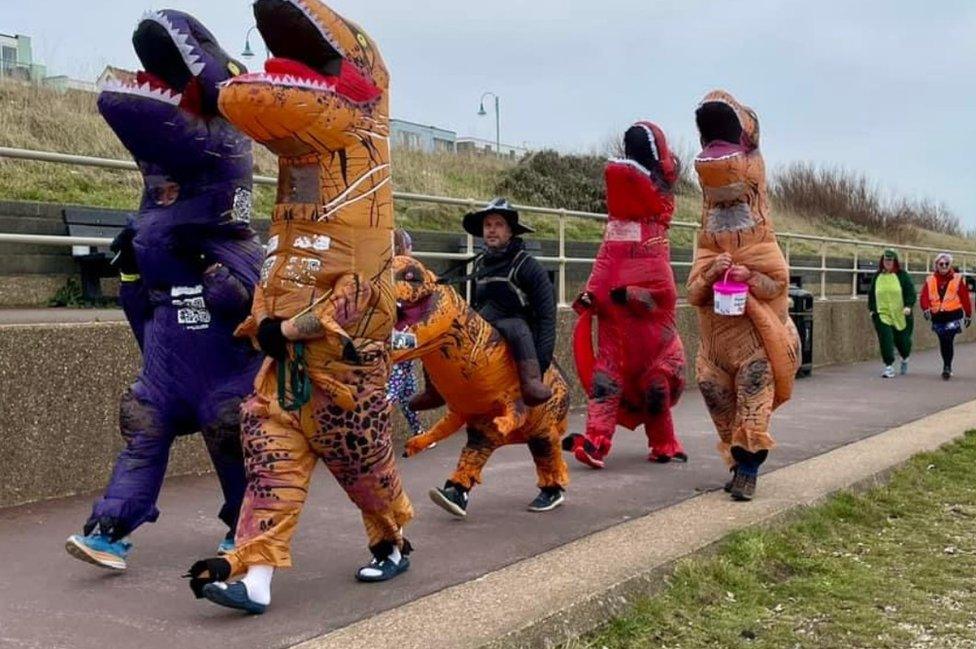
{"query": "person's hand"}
(585, 300)
(907, 310)
(967, 321)
(740, 273)
(721, 264)
(125, 253)
(272, 340)
(927, 315)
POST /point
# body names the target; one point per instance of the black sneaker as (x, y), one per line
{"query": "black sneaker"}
(743, 487)
(547, 500)
(946, 373)
(376, 570)
(233, 596)
(451, 498)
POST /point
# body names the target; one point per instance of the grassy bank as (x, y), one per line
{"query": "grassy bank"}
(894, 567)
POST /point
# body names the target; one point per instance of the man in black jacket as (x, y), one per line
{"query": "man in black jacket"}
(513, 292)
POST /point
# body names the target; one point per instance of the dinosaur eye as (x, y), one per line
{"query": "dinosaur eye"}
(409, 276)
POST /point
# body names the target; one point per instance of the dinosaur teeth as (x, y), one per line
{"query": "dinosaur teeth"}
(182, 41)
(141, 90)
(310, 15)
(286, 80)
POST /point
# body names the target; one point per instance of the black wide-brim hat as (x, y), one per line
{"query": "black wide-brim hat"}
(473, 222)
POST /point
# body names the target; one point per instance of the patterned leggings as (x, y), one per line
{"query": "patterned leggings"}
(281, 450)
(402, 386)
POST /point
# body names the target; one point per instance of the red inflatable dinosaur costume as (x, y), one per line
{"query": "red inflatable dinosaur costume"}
(638, 372)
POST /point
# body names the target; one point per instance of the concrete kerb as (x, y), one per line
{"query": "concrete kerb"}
(554, 597)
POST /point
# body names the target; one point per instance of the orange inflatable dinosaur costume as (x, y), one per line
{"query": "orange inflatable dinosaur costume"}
(473, 370)
(746, 364)
(324, 308)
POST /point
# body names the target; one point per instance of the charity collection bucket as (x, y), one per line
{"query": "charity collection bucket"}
(730, 297)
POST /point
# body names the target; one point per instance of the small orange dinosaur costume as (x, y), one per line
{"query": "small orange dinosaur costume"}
(322, 107)
(472, 368)
(746, 365)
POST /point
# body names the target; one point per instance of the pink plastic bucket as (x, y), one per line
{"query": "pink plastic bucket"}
(730, 297)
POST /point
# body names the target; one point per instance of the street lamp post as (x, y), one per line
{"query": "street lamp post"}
(498, 123)
(248, 53)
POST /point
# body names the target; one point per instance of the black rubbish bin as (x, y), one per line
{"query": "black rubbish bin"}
(801, 311)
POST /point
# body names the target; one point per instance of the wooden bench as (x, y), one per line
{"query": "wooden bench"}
(94, 261)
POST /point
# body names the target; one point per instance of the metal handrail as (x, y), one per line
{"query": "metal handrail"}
(786, 238)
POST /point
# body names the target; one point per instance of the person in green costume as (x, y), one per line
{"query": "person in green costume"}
(890, 301)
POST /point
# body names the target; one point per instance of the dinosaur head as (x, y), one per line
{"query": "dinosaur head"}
(413, 284)
(730, 168)
(162, 113)
(325, 88)
(725, 126)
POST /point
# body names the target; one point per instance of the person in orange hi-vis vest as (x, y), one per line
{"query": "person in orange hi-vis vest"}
(948, 305)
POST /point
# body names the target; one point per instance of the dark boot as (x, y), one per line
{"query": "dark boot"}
(429, 399)
(534, 391)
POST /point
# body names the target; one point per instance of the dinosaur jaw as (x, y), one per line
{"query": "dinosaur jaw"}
(172, 65)
(306, 56)
(409, 315)
(721, 131)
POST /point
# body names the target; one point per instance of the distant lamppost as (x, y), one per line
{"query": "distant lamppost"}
(498, 124)
(248, 53)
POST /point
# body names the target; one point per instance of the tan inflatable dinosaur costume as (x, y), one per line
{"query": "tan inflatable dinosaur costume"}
(746, 364)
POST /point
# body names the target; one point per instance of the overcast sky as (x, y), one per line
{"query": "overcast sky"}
(887, 87)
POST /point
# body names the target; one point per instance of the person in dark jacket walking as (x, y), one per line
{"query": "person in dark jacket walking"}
(890, 302)
(946, 303)
(513, 292)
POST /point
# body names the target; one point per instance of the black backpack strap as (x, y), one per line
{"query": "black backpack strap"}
(446, 276)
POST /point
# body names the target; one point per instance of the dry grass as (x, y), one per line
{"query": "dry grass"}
(834, 194)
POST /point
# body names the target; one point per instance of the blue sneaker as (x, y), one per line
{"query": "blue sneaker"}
(226, 546)
(233, 596)
(99, 550)
(382, 570)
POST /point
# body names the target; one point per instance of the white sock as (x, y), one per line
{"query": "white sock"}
(395, 557)
(258, 583)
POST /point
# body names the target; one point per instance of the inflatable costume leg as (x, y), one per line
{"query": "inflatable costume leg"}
(130, 498)
(222, 436)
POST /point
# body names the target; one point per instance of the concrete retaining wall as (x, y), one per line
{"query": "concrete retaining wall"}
(61, 383)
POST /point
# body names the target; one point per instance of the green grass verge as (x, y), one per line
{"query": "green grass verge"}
(892, 567)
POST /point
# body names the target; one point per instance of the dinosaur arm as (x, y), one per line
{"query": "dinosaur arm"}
(700, 289)
(444, 428)
(765, 287)
(134, 297)
(224, 291)
(345, 305)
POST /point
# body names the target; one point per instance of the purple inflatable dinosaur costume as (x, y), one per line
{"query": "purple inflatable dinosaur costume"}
(188, 263)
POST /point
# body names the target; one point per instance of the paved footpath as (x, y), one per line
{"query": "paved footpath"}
(48, 599)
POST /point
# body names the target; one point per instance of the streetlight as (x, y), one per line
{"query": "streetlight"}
(498, 128)
(248, 53)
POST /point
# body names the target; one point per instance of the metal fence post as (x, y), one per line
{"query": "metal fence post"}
(789, 246)
(823, 270)
(854, 275)
(562, 257)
